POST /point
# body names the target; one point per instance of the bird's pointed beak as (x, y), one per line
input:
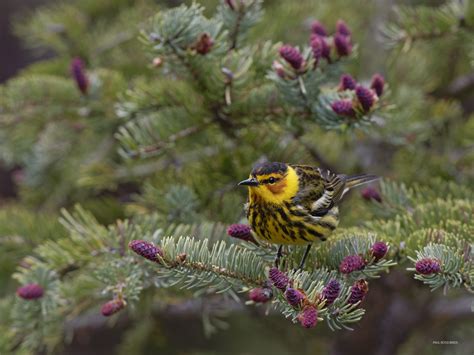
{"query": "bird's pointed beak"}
(249, 182)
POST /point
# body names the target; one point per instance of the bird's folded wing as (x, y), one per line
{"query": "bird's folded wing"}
(334, 185)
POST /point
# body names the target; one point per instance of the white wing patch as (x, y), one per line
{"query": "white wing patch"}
(323, 202)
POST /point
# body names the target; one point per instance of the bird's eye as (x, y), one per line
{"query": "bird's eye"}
(271, 180)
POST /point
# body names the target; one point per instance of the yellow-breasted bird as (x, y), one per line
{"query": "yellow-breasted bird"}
(296, 204)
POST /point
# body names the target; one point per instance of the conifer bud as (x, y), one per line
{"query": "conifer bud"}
(31, 291)
(157, 62)
(351, 263)
(378, 250)
(240, 231)
(343, 45)
(79, 74)
(428, 266)
(369, 193)
(320, 45)
(347, 82)
(146, 249)
(279, 69)
(204, 43)
(377, 84)
(294, 296)
(292, 55)
(343, 108)
(342, 28)
(308, 317)
(261, 294)
(331, 291)
(112, 307)
(365, 97)
(278, 278)
(358, 291)
(318, 29)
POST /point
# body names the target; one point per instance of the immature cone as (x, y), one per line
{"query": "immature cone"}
(428, 266)
(292, 56)
(308, 317)
(240, 231)
(358, 291)
(79, 74)
(157, 62)
(278, 278)
(379, 249)
(343, 45)
(320, 46)
(369, 193)
(30, 291)
(331, 291)
(318, 29)
(317, 48)
(342, 28)
(347, 82)
(365, 97)
(351, 263)
(377, 84)
(294, 297)
(343, 108)
(261, 294)
(204, 43)
(111, 307)
(146, 249)
(279, 69)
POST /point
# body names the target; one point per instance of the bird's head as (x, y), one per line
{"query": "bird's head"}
(272, 182)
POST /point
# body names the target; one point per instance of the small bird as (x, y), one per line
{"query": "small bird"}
(296, 204)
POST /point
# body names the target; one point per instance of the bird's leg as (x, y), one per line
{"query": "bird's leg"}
(304, 257)
(279, 255)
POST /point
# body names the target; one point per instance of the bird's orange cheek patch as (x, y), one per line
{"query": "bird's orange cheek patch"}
(277, 188)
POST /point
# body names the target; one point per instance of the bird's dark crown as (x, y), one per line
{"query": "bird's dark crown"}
(269, 168)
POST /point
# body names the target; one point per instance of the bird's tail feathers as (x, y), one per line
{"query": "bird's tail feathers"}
(356, 180)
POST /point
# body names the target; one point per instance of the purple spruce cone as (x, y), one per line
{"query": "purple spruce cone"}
(358, 291)
(308, 317)
(278, 278)
(347, 82)
(331, 291)
(240, 231)
(79, 74)
(146, 249)
(31, 291)
(343, 108)
(428, 266)
(377, 84)
(294, 296)
(343, 45)
(351, 263)
(111, 307)
(379, 249)
(365, 97)
(318, 29)
(261, 294)
(369, 193)
(292, 56)
(342, 28)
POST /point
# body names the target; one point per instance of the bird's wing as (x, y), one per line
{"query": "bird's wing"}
(319, 189)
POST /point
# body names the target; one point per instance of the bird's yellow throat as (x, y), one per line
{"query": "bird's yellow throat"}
(284, 190)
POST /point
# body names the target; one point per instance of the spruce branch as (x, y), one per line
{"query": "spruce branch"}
(194, 264)
(451, 263)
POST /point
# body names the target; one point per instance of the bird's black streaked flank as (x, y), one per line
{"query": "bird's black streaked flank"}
(296, 204)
